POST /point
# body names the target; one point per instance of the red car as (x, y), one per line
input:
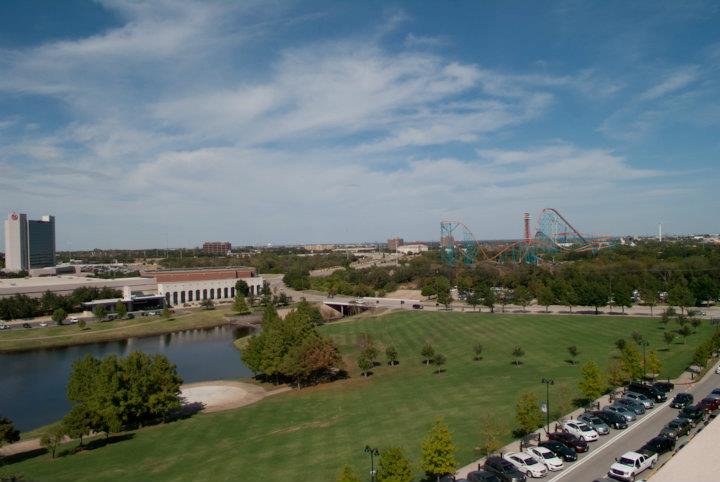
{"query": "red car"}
(570, 441)
(708, 404)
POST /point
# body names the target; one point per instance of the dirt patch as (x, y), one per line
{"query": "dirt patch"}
(224, 395)
(406, 294)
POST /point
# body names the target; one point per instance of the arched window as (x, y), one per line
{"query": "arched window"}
(212, 293)
(189, 295)
(232, 292)
(167, 299)
(197, 295)
(175, 298)
(205, 294)
(225, 292)
(182, 297)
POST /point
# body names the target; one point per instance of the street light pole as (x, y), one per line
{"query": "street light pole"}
(373, 452)
(547, 383)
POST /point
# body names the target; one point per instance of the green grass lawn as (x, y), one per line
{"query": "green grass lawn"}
(66, 335)
(311, 434)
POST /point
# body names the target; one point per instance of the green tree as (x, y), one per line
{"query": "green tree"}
(620, 344)
(595, 294)
(239, 305)
(489, 299)
(568, 296)
(100, 312)
(347, 474)
(121, 309)
(649, 297)
(637, 337)
(592, 383)
(207, 303)
(444, 298)
(681, 296)
(695, 322)
(654, 365)
(527, 412)
(365, 365)
(59, 315)
(491, 434)
(392, 355)
(78, 422)
(438, 451)
(242, 288)
(438, 360)
(51, 439)
(477, 350)
(82, 324)
(8, 433)
(473, 299)
(427, 353)
(166, 313)
(394, 466)
(523, 297)
(669, 338)
(573, 351)
(615, 372)
(632, 362)
(685, 331)
(622, 296)
(545, 297)
(517, 353)
(665, 318)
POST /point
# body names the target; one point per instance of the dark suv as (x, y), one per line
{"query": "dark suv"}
(676, 428)
(664, 386)
(660, 445)
(682, 400)
(613, 420)
(560, 449)
(570, 440)
(648, 390)
(482, 476)
(692, 413)
(505, 471)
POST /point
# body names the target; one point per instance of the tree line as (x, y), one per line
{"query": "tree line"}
(21, 306)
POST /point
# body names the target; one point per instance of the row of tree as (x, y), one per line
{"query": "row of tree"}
(437, 459)
(21, 306)
(292, 348)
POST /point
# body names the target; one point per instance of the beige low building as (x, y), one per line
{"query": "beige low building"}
(65, 284)
(696, 461)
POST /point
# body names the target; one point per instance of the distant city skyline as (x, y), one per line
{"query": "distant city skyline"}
(143, 125)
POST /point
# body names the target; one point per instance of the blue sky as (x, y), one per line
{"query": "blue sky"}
(291, 122)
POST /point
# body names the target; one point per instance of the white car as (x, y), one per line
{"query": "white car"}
(72, 320)
(43, 323)
(359, 301)
(581, 430)
(526, 464)
(546, 457)
(717, 370)
(4, 326)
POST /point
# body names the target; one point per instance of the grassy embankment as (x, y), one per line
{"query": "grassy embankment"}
(55, 336)
(310, 434)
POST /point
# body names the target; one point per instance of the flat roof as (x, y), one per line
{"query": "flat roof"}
(696, 461)
(60, 280)
(182, 270)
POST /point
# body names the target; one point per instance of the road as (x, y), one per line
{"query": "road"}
(595, 463)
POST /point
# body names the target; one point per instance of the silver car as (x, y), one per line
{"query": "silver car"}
(595, 422)
(634, 406)
(639, 397)
(622, 411)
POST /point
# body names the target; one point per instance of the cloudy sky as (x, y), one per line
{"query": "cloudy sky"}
(291, 122)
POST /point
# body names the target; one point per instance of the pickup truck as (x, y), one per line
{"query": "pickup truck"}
(631, 464)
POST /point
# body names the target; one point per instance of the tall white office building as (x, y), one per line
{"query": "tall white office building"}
(29, 243)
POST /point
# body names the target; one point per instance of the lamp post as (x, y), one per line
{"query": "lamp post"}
(547, 383)
(373, 452)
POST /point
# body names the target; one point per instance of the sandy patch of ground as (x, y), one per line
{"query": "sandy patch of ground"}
(224, 395)
(406, 294)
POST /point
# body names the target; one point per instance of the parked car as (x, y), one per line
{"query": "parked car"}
(505, 471)
(693, 414)
(560, 449)
(664, 386)
(527, 464)
(595, 422)
(660, 445)
(570, 440)
(417, 306)
(4, 326)
(622, 411)
(717, 369)
(614, 420)
(714, 395)
(482, 476)
(716, 391)
(44, 323)
(648, 390)
(631, 464)
(546, 457)
(26, 325)
(682, 400)
(581, 430)
(639, 397)
(360, 301)
(73, 320)
(636, 407)
(708, 404)
(676, 428)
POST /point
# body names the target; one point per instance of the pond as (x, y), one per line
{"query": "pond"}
(32, 383)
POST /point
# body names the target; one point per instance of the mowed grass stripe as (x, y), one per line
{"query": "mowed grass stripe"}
(310, 434)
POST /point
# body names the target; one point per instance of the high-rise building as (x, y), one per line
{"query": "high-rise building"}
(29, 243)
(394, 243)
(217, 247)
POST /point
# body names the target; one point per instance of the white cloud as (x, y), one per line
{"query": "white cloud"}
(673, 82)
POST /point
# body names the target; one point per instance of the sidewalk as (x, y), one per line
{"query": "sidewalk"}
(684, 379)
